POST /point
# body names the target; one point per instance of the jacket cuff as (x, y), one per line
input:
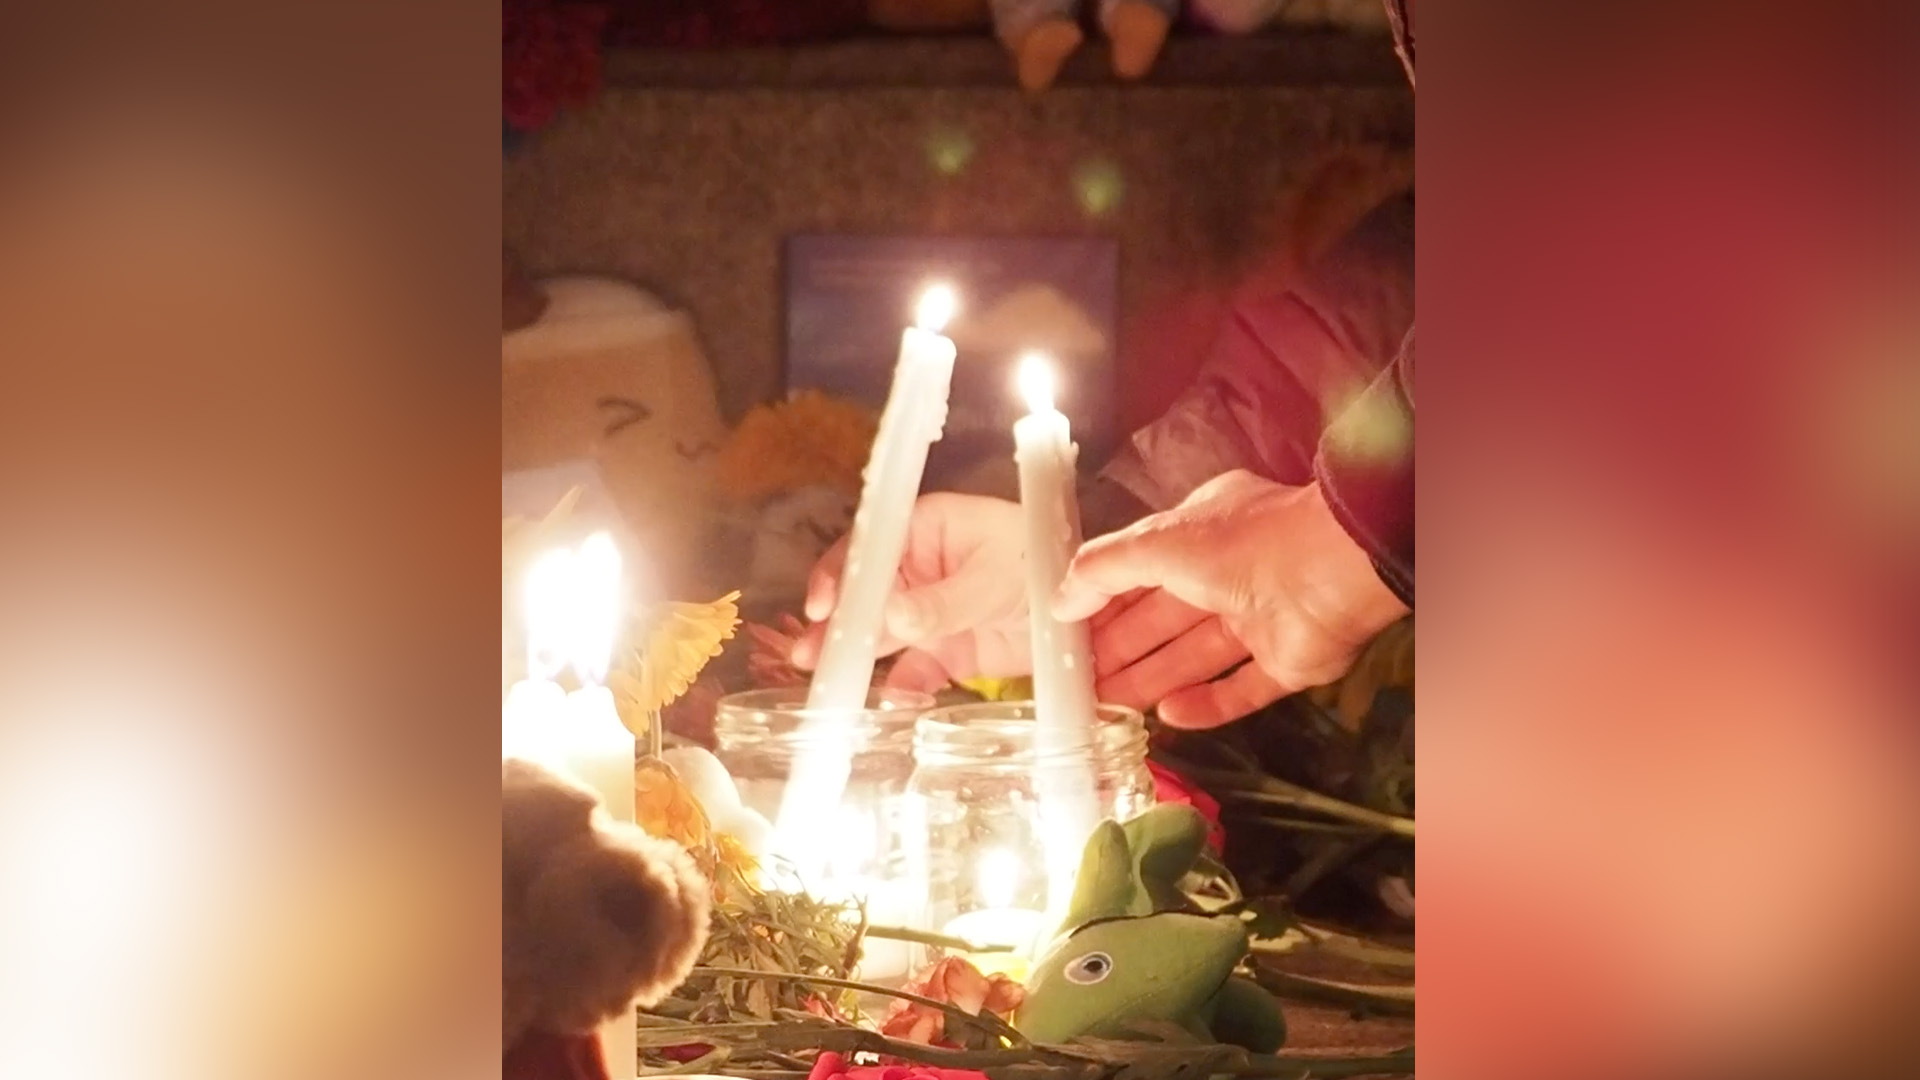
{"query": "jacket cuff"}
(1365, 471)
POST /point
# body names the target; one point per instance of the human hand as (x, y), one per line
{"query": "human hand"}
(959, 604)
(1244, 568)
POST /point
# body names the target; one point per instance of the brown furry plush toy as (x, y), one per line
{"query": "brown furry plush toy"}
(596, 915)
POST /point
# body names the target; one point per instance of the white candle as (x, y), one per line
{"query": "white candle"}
(574, 612)
(1063, 697)
(916, 412)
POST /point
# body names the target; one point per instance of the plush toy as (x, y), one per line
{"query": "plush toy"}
(606, 376)
(1131, 957)
(1041, 34)
(596, 917)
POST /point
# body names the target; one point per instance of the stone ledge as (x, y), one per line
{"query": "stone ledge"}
(1316, 58)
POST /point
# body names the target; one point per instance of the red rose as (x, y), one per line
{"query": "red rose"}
(1171, 787)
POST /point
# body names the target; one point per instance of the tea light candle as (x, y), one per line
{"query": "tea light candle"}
(1063, 697)
(1000, 926)
(999, 923)
(573, 616)
(915, 413)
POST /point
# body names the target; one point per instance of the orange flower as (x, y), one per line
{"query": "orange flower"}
(809, 439)
(953, 981)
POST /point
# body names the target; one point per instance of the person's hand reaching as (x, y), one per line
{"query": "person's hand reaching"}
(1244, 568)
(959, 603)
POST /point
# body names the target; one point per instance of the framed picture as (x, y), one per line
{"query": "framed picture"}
(849, 297)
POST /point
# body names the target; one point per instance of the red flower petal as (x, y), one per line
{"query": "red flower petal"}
(1171, 787)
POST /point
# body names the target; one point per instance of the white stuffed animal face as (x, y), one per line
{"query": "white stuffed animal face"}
(608, 375)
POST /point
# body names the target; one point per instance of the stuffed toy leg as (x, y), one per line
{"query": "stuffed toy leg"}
(1041, 34)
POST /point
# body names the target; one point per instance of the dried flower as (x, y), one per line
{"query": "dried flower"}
(664, 806)
(670, 656)
(953, 981)
(770, 659)
(808, 440)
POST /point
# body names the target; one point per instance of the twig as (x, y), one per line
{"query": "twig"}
(1248, 784)
(986, 1023)
(1323, 861)
(706, 1062)
(1086, 1060)
(1301, 935)
(1386, 1000)
(1265, 790)
(941, 941)
(1293, 824)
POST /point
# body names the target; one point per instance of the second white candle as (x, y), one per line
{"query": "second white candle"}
(1063, 692)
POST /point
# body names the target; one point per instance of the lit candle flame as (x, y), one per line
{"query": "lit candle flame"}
(548, 589)
(936, 308)
(994, 877)
(1036, 382)
(597, 577)
(573, 606)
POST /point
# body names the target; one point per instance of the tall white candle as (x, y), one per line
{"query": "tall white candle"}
(915, 413)
(574, 611)
(1063, 697)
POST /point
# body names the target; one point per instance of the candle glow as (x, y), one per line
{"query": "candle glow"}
(936, 308)
(993, 877)
(996, 874)
(597, 588)
(1036, 382)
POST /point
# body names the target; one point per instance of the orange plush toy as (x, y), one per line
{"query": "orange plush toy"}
(596, 916)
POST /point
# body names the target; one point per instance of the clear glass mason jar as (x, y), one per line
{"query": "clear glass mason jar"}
(974, 788)
(871, 849)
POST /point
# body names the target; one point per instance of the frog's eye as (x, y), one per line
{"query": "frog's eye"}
(1089, 969)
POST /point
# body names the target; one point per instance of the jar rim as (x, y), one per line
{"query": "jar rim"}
(1004, 731)
(781, 713)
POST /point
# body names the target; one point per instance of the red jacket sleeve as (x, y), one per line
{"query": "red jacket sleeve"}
(1365, 470)
(1286, 361)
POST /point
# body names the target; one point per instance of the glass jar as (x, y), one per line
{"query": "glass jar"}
(869, 846)
(975, 791)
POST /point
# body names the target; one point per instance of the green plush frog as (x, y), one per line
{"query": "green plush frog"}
(1127, 957)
